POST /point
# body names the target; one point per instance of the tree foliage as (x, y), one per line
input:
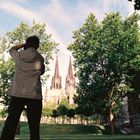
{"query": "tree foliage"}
(18, 36)
(48, 109)
(22, 31)
(105, 53)
(7, 70)
(136, 4)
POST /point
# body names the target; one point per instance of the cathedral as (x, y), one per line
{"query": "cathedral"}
(55, 94)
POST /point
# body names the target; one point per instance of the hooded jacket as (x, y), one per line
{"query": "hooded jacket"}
(29, 67)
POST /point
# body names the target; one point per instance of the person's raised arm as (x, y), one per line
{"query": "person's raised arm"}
(14, 50)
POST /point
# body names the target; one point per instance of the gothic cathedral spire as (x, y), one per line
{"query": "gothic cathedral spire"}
(56, 79)
(70, 80)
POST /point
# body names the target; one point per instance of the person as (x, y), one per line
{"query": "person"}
(25, 89)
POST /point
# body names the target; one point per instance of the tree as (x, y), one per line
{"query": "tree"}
(83, 49)
(55, 114)
(7, 70)
(22, 31)
(63, 108)
(64, 101)
(70, 113)
(103, 53)
(48, 110)
(62, 111)
(18, 36)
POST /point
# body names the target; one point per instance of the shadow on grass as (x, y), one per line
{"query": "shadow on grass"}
(84, 137)
(73, 132)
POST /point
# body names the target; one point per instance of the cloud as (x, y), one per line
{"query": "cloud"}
(84, 9)
(57, 11)
(19, 11)
(59, 21)
(19, 1)
(27, 15)
(59, 18)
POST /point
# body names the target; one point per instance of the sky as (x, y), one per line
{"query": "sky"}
(61, 17)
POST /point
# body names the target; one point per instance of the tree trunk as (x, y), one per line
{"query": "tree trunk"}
(63, 119)
(111, 117)
(54, 120)
(87, 120)
(18, 129)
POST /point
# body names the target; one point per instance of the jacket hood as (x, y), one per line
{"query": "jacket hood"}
(29, 55)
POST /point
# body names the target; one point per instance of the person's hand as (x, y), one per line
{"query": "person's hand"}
(17, 47)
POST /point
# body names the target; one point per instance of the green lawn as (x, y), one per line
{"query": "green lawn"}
(73, 132)
(83, 137)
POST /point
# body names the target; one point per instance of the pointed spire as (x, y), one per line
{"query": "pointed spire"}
(56, 73)
(70, 80)
(70, 72)
(56, 79)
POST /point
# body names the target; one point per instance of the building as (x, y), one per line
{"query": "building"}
(55, 94)
(134, 103)
(134, 111)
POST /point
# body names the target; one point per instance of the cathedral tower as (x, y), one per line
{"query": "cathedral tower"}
(70, 80)
(70, 84)
(56, 79)
(55, 94)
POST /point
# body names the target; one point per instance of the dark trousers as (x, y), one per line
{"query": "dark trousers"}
(16, 106)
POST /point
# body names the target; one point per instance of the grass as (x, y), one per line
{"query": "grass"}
(83, 137)
(73, 132)
(66, 129)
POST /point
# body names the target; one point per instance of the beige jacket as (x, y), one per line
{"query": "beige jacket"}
(29, 67)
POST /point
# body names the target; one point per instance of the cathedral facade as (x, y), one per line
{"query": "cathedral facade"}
(55, 93)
